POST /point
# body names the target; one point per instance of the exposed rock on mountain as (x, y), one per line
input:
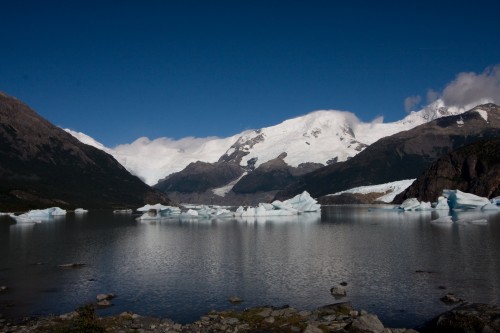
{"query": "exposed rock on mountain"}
(200, 177)
(403, 155)
(42, 165)
(473, 169)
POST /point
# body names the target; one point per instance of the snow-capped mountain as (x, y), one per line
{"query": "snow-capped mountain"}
(322, 137)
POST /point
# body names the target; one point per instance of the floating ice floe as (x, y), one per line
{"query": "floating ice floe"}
(81, 211)
(38, 215)
(158, 211)
(462, 200)
(451, 199)
(413, 204)
(122, 211)
(301, 203)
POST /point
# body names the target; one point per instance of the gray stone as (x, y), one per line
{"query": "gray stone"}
(467, 318)
(230, 321)
(235, 299)
(330, 317)
(305, 313)
(266, 312)
(278, 313)
(270, 320)
(338, 292)
(312, 329)
(451, 299)
(368, 323)
(104, 303)
(102, 297)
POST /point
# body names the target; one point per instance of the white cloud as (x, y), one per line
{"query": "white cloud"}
(432, 96)
(466, 91)
(411, 102)
(470, 88)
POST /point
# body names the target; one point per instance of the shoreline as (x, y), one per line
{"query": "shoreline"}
(337, 317)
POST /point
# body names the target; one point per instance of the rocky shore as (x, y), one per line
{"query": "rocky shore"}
(339, 317)
(331, 318)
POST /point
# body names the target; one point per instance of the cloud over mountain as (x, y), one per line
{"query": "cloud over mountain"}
(467, 90)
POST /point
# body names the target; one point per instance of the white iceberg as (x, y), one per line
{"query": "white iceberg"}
(409, 204)
(157, 211)
(442, 204)
(461, 200)
(58, 212)
(490, 206)
(38, 215)
(301, 203)
(81, 211)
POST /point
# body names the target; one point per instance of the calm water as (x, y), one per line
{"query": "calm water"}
(183, 269)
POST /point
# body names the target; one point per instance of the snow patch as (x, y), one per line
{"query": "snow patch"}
(483, 114)
(390, 189)
(222, 191)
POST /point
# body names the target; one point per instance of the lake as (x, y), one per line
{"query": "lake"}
(396, 264)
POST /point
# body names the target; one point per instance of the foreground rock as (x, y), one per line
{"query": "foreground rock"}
(467, 318)
(332, 318)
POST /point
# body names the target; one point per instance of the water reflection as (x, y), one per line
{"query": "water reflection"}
(393, 262)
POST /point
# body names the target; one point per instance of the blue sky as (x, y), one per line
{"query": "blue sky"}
(119, 70)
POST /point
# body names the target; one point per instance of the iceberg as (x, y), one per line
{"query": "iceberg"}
(39, 215)
(409, 204)
(442, 204)
(300, 203)
(157, 211)
(303, 203)
(490, 206)
(461, 200)
(81, 211)
(451, 200)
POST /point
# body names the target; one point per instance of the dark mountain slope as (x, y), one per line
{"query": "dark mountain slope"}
(474, 169)
(403, 155)
(200, 176)
(41, 165)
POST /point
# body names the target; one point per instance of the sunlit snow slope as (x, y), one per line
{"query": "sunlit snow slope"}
(320, 137)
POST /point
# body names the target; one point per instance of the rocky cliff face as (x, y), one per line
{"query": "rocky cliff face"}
(403, 155)
(474, 169)
(41, 165)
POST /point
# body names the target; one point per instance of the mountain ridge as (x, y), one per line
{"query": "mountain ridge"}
(403, 155)
(319, 137)
(42, 165)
